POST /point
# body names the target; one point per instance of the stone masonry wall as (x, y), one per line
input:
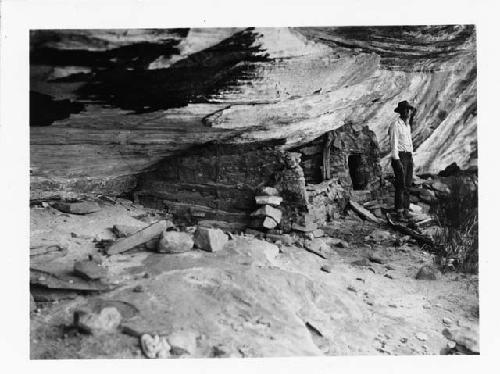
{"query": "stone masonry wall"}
(219, 181)
(328, 197)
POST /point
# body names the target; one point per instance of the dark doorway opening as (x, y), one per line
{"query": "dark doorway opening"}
(357, 172)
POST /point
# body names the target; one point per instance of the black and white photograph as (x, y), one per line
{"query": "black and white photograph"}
(252, 191)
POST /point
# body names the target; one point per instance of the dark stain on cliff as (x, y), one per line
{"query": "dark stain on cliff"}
(120, 77)
(44, 110)
(191, 80)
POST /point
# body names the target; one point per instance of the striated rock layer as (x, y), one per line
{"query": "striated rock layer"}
(107, 105)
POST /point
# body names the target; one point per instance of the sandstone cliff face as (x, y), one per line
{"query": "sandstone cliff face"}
(107, 105)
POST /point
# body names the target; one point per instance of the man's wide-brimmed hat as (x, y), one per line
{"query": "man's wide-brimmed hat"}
(403, 105)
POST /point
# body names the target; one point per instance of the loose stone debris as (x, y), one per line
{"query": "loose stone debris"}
(175, 242)
(210, 240)
(132, 262)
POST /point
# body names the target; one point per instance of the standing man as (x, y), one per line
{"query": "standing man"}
(402, 157)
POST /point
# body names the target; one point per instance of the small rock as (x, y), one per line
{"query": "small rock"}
(122, 231)
(269, 191)
(269, 223)
(268, 200)
(89, 270)
(352, 289)
(74, 235)
(421, 336)
(415, 208)
(175, 242)
(326, 268)
(376, 258)
(403, 340)
(392, 306)
(317, 245)
(154, 347)
(451, 344)
(220, 351)
(318, 233)
(339, 243)
(182, 342)
(96, 257)
(83, 207)
(426, 273)
(138, 288)
(465, 336)
(104, 321)
(361, 262)
(268, 211)
(388, 276)
(210, 240)
(447, 321)
(440, 186)
(381, 235)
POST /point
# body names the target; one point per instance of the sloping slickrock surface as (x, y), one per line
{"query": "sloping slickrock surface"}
(252, 300)
(106, 105)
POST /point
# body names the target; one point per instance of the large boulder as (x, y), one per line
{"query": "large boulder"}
(210, 240)
(175, 242)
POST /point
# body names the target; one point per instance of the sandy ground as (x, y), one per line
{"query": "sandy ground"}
(253, 298)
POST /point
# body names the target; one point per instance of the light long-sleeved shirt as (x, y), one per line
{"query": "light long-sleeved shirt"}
(401, 140)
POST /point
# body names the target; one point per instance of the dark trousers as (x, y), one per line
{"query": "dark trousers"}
(403, 172)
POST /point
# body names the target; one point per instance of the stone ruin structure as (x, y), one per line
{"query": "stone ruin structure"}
(220, 182)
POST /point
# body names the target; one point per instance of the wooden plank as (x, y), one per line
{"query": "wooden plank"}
(364, 213)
